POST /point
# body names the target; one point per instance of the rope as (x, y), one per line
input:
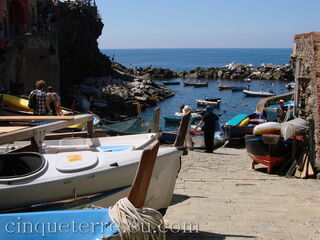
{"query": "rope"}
(136, 224)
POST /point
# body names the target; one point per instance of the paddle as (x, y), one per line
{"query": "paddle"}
(138, 192)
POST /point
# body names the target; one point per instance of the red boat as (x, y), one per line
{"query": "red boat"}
(269, 150)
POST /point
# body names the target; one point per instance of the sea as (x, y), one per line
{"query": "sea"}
(232, 103)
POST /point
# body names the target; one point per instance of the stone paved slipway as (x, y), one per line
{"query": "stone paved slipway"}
(228, 200)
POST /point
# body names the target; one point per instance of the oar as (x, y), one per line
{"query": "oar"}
(138, 192)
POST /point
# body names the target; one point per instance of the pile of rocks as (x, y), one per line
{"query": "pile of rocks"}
(230, 72)
(115, 97)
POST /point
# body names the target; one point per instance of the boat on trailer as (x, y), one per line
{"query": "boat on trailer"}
(249, 93)
(269, 149)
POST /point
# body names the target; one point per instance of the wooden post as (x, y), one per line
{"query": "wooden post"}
(181, 136)
(156, 120)
(37, 140)
(139, 190)
(90, 128)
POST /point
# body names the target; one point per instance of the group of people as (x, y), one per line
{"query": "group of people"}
(45, 103)
(208, 126)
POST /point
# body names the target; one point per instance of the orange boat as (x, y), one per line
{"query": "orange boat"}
(223, 87)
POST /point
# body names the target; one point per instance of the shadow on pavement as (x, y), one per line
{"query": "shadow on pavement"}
(203, 236)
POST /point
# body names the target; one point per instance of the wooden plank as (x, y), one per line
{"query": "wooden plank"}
(57, 136)
(11, 129)
(50, 127)
(156, 120)
(138, 192)
(182, 132)
(34, 118)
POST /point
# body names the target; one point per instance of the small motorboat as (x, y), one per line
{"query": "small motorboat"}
(200, 84)
(224, 87)
(247, 80)
(75, 179)
(211, 103)
(171, 83)
(270, 150)
(258, 93)
(290, 85)
(239, 89)
(188, 83)
(210, 99)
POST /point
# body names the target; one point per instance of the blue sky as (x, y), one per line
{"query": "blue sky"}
(206, 23)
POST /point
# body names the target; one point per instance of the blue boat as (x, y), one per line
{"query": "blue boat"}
(236, 120)
(90, 224)
(271, 111)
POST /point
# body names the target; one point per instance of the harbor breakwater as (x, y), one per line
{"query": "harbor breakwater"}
(232, 71)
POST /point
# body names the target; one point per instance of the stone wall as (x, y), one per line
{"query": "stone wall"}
(28, 59)
(306, 61)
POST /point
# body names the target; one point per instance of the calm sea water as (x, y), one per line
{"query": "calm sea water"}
(233, 103)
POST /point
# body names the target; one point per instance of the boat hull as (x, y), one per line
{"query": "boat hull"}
(101, 185)
(270, 155)
(257, 94)
(233, 132)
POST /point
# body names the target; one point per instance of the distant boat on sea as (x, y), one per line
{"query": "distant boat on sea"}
(258, 93)
(171, 83)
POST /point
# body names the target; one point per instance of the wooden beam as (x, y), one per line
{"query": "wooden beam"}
(57, 136)
(34, 118)
(182, 132)
(50, 127)
(156, 120)
(11, 129)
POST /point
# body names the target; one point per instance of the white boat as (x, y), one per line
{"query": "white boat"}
(247, 80)
(258, 93)
(31, 181)
(103, 144)
(290, 85)
(204, 103)
(195, 116)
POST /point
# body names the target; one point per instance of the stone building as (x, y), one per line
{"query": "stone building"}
(19, 17)
(306, 61)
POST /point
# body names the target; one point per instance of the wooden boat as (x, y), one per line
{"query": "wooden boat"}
(258, 94)
(103, 144)
(205, 103)
(238, 89)
(212, 99)
(108, 223)
(171, 83)
(269, 154)
(128, 127)
(271, 111)
(188, 83)
(242, 125)
(75, 179)
(224, 87)
(200, 84)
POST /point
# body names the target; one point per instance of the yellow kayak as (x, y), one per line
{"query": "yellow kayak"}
(21, 104)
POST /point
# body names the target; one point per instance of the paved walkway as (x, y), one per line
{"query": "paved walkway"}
(228, 200)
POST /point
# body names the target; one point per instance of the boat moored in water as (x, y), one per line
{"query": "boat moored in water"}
(224, 87)
(211, 103)
(258, 93)
(171, 83)
(200, 84)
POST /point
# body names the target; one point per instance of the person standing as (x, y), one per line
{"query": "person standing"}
(281, 111)
(54, 102)
(39, 101)
(209, 121)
